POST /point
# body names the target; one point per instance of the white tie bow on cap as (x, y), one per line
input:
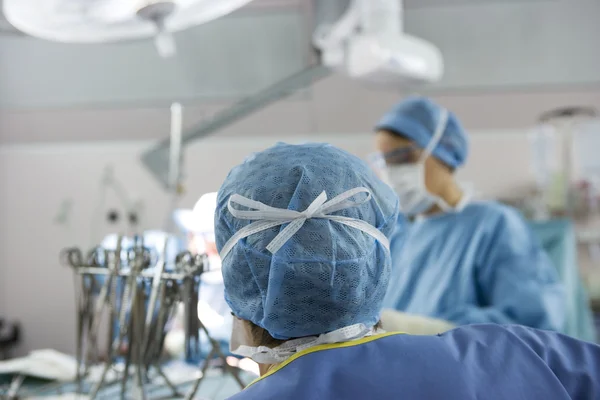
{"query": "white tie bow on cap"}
(268, 217)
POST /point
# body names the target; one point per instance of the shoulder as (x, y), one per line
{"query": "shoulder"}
(492, 208)
(494, 213)
(466, 336)
(527, 338)
(260, 391)
(478, 338)
(502, 231)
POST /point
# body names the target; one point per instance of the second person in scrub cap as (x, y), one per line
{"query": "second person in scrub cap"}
(457, 259)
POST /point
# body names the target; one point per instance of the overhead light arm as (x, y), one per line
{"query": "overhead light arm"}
(381, 16)
(157, 12)
(157, 158)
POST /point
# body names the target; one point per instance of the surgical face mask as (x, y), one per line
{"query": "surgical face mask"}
(408, 180)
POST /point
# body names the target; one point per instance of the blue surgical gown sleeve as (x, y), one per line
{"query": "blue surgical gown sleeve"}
(517, 283)
(575, 363)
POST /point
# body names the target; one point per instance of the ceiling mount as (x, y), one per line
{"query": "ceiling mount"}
(157, 12)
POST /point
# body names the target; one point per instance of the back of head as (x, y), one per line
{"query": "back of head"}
(416, 118)
(327, 275)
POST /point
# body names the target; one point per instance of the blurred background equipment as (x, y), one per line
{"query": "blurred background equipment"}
(565, 169)
(558, 239)
(567, 173)
(10, 335)
(126, 213)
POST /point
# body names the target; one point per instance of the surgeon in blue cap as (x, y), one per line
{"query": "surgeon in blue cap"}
(454, 258)
(303, 232)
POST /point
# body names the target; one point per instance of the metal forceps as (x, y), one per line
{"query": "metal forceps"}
(156, 286)
(133, 300)
(84, 291)
(107, 295)
(192, 267)
(154, 327)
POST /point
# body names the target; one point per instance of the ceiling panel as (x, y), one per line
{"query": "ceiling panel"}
(510, 45)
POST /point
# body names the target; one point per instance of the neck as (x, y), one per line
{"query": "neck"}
(452, 194)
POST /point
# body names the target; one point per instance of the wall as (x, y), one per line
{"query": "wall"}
(36, 179)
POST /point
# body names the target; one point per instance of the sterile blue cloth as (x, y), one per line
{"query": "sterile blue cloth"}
(416, 118)
(558, 239)
(327, 275)
(478, 265)
(490, 362)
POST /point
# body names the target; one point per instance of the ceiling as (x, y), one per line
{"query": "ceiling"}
(511, 52)
(510, 43)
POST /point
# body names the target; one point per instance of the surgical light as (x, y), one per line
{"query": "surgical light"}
(368, 44)
(85, 21)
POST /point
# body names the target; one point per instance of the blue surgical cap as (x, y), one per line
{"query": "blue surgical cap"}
(416, 118)
(327, 275)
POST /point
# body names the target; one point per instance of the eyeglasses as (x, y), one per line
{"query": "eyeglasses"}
(402, 155)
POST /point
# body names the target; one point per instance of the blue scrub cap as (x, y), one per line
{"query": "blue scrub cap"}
(328, 274)
(416, 118)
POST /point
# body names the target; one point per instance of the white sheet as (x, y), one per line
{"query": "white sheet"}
(44, 364)
(396, 321)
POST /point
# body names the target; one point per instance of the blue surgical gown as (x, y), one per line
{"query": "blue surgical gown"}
(490, 362)
(478, 265)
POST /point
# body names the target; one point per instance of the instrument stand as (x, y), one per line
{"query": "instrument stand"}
(142, 319)
(215, 350)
